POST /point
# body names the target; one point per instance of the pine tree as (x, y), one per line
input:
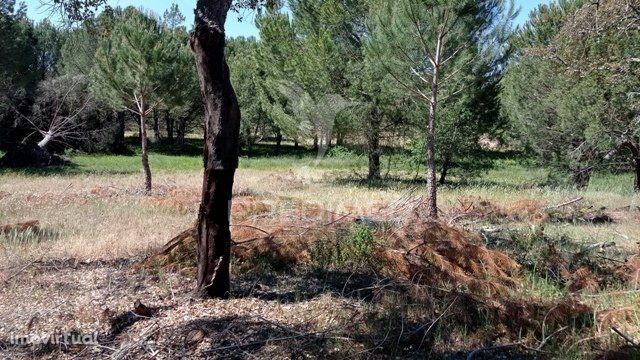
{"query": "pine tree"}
(140, 67)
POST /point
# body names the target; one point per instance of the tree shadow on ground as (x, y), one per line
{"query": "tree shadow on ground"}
(304, 285)
(241, 337)
(408, 182)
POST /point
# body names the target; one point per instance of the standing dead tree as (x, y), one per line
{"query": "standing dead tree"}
(58, 110)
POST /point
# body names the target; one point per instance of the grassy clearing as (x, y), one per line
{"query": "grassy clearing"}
(94, 210)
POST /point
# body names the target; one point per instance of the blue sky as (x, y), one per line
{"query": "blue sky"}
(234, 26)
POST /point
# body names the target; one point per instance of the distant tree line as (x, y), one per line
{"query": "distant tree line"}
(436, 79)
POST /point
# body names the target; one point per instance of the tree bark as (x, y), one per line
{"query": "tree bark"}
(278, 142)
(222, 130)
(145, 154)
(46, 139)
(635, 154)
(181, 131)
(169, 123)
(432, 203)
(118, 141)
(156, 127)
(446, 164)
(373, 147)
(249, 142)
(636, 182)
(340, 138)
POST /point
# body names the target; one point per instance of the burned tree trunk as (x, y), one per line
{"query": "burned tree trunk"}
(222, 130)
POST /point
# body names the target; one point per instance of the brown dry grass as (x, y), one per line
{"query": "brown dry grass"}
(106, 218)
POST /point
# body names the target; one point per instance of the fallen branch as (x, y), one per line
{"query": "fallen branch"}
(625, 337)
(570, 202)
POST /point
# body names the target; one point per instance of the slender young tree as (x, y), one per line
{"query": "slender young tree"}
(424, 45)
(138, 69)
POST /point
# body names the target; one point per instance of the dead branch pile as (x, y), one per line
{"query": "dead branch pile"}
(429, 252)
(415, 248)
(284, 237)
(476, 208)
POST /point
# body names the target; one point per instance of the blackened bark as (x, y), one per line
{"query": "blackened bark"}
(315, 143)
(145, 154)
(222, 130)
(296, 145)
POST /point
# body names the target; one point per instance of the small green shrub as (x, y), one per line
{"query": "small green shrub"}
(350, 249)
(340, 152)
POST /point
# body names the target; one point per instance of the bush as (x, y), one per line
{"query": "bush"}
(340, 152)
(351, 249)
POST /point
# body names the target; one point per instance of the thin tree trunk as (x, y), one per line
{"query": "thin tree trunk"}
(432, 203)
(340, 138)
(636, 182)
(315, 143)
(145, 154)
(249, 142)
(182, 129)
(156, 127)
(278, 142)
(119, 142)
(373, 145)
(296, 145)
(446, 164)
(635, 154)
(222, 130)
(46, 139)
(169, 123)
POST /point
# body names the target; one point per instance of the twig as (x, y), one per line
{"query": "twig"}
(251, 227)
(627, 338)
(6, 281)
(578, 199)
